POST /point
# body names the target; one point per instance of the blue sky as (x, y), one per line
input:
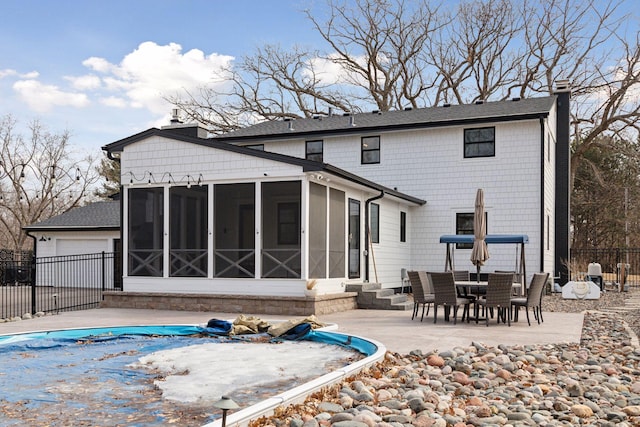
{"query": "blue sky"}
(100, 68)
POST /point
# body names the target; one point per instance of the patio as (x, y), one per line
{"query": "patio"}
(394, 329)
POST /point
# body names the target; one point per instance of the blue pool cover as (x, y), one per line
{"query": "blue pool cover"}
(58, 338)
(37, 368)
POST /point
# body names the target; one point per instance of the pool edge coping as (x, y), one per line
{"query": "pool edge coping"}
(299, 393)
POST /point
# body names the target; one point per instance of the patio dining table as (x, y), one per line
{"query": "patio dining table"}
(470, 285)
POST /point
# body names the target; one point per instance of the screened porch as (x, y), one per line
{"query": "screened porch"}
(285, 229)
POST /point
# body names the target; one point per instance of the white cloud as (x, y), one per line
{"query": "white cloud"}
(97, 64)
(42, 98)
(30, 75)
(88, 82)
(114, 101)
(152, 72)
(7, 72)
(11, 72)
(141, 80)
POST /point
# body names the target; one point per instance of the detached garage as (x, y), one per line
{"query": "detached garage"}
(69, 246)
(88, 229)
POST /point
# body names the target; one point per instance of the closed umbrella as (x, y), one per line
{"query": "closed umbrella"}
(479, 253)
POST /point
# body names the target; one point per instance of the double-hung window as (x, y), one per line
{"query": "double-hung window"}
(370, 150)
(480, 142)
(313, 150)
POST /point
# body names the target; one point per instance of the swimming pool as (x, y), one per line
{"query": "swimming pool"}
(79, 371)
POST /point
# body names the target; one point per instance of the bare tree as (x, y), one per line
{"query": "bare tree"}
(38, 179)
(387, 54)
(478, 55)
(379, 46)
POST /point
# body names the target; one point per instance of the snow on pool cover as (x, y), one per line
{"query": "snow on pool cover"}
(155, 375)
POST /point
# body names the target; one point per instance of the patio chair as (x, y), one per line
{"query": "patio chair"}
(533, 298)
(515, 277)
(444, 290)
(421, 294)
(462, 276)
(498, 297)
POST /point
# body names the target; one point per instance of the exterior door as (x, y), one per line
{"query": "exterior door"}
(117, 264)
(354, 239)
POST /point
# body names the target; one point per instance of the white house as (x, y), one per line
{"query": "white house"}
(341, 198)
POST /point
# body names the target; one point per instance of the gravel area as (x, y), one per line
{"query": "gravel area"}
(610, 299)
(595, 382)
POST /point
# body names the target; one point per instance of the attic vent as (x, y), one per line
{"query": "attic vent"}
(375, 112)
(479, 102)
(447, 105)
(290, 124)
(287, 119)
(346, 114)
(515, 99)
(408, 108)
(352, 121)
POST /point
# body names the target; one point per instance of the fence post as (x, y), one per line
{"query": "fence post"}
(32, 277)
(103, 274)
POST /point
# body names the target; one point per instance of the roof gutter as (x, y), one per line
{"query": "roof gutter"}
(367, 231)
(112, 157)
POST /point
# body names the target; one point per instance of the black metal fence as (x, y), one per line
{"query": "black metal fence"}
(55, 284)
(619, 265)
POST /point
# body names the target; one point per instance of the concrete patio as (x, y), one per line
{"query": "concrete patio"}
(394, 329)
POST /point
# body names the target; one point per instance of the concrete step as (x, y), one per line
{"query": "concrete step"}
(373, 296)
(359, 287)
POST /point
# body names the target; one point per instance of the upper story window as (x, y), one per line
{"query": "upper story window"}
(480, 142)
(403, 226)
(313, 150)
(259, 147)
(370, 150)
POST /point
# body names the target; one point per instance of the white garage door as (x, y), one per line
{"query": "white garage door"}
(81, 246)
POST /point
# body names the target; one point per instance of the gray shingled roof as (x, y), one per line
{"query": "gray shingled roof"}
(415, 118)
(95, 215)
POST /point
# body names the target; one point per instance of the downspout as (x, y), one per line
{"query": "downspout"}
(543, 224)
(117, 159)
(366, 233)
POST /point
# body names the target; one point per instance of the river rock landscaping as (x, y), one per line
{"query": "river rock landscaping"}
(595, 382)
